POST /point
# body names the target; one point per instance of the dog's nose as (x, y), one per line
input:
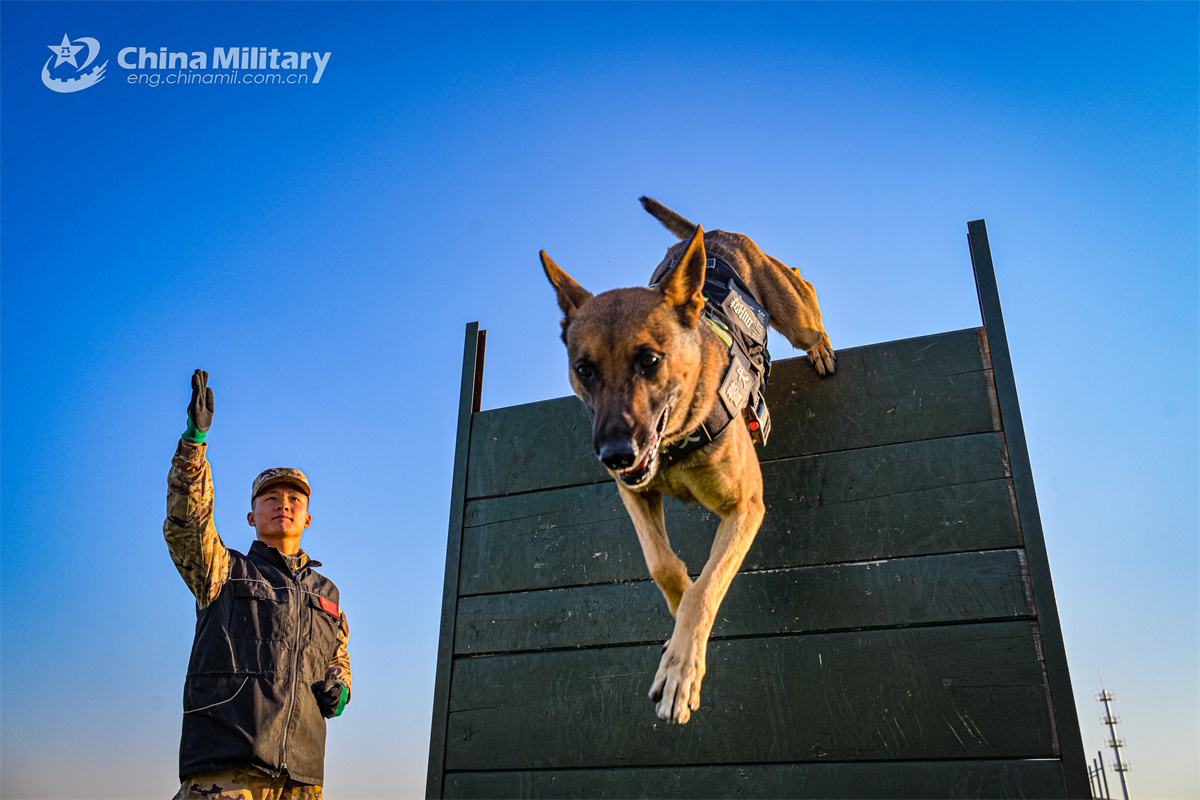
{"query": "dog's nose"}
(617, 455)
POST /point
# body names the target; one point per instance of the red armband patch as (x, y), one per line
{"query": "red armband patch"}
(329, 607)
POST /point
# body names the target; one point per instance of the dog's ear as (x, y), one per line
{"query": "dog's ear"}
(570, 294)
(683, 287)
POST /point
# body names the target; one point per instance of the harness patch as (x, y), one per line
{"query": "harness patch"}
(746, 314)
(735, 389)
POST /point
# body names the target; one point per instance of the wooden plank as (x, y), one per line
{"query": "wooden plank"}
(914, 780)
(948, 519)
(532, 446)
(879, 502)
(1058, 673)
(933, 355)
(907, 591)
(470, 383)
(950, 691)
(813, 481)
(930, 387)
(893, 410)
(902, 391)
(560, 537)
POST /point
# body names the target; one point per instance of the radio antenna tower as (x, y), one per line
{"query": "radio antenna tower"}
(1111, 720)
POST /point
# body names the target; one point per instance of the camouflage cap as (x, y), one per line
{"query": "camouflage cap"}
(270, 477)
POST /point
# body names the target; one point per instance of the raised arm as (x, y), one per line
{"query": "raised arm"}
(197, 550)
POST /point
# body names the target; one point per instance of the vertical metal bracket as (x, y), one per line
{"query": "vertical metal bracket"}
(1062, 699)
(469, 396)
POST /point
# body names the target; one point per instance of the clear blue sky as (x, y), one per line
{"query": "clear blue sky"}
(318, 248)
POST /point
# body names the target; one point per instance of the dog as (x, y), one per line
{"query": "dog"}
(649, 366)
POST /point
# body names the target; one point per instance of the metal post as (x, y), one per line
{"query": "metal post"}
(470, 388)
(1119, 766)
(1103, 774)
(1058, 675)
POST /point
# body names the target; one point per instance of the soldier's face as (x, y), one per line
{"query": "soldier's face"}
(280, 515)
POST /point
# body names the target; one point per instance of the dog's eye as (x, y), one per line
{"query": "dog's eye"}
(648, 361)
(583, 370)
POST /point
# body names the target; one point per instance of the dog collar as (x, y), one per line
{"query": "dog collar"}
(713, 426)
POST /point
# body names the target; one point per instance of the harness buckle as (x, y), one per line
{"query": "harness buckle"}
(758, 419)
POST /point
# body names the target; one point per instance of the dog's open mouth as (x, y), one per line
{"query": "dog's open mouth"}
(641, 472)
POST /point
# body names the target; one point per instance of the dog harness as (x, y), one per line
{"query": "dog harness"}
(741, 323)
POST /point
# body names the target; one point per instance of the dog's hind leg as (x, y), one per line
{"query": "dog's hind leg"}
(667, 569)
(792, 303)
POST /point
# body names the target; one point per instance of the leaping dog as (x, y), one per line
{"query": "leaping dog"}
(673, 389)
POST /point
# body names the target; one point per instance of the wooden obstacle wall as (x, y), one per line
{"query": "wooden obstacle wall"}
(892, 632)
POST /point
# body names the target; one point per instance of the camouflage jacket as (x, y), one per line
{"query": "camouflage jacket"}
(260, 623)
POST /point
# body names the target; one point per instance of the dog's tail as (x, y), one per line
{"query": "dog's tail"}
(670, 220)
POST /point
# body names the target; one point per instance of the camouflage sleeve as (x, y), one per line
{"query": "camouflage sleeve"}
(197, 550)
(339, 666)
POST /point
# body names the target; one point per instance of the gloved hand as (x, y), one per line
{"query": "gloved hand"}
(331, 697)
(200, 409)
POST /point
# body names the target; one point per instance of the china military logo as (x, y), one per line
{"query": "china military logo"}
(68, 54)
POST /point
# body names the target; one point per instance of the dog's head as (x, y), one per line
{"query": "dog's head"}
(635, 360)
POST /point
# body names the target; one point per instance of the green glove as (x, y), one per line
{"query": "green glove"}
(342, 700)
(332, 698)
(200, 409)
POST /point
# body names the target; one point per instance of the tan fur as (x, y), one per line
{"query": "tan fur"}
(649, 372)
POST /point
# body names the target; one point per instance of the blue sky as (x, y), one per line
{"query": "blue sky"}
(318, 248)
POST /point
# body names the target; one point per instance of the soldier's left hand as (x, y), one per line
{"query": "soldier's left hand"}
(200, 409)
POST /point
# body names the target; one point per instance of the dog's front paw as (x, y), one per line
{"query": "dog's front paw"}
(822, 357)
(676, 687)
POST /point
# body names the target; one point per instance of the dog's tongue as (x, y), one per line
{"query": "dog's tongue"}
(645, 462)
(635, 474)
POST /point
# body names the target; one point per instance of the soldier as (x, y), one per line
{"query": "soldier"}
(269, 661)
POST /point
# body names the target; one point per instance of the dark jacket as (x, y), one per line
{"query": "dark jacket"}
(261, 652)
